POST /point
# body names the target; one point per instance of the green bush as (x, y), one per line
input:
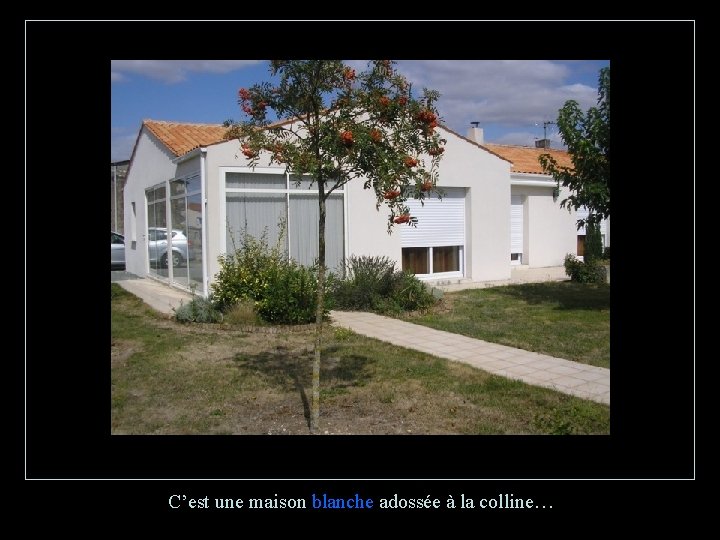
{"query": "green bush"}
(367, 280)
(584, 271)
(291, 295)
(246, 273)
(282, 291)
(200, 310)
(372, 283)
(409, 293)
(606, 253)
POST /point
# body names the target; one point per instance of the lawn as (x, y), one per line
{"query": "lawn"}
(563, 319)
(170, 378)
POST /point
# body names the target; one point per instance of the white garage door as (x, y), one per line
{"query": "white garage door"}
(436, 244)
(516, 228)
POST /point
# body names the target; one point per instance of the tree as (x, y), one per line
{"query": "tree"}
(587, 137)
(335, 126)
(593, 243)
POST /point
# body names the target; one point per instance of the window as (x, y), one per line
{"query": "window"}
(257, 203)
(133, 223)
(445, 259)
(186, 209)
(415, 260)
(435, 246)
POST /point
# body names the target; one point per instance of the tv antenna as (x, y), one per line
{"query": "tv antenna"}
(545, 125)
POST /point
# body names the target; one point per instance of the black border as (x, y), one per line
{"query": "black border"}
(67, 324)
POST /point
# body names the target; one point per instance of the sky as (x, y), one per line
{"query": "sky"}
(510, 98)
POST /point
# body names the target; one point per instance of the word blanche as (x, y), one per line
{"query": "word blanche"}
(353, 503)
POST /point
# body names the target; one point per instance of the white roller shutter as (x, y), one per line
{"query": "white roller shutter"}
(516, 224)
(440, 222)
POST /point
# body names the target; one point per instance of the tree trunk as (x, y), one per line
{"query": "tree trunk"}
(315, 415)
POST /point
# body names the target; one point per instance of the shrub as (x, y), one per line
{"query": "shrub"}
(584, 272)
(409, 293)
(246, 273)
(372, 283)
(291, 295)
(199, 310)
(281, 291)
(606, 253)
(367, 280)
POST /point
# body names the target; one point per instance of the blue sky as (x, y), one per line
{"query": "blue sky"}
(510, 98)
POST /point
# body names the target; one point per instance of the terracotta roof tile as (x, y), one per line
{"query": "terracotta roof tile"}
(483, 146)
(180, 137)
(525, 158)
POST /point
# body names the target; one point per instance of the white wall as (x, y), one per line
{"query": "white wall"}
(487, 206)
(152, 164)
(550, 231)
(367, 232)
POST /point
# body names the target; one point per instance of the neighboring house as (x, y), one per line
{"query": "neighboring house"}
(188, 176)
(118, 175)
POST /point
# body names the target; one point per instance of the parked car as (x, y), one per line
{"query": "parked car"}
(157, 247)
(117, 250)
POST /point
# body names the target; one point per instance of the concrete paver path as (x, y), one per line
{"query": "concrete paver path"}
(582, 380)
(157, 295)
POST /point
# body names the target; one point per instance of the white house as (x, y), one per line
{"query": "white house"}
(495, 212)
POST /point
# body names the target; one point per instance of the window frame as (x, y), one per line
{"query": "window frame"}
(289, 190)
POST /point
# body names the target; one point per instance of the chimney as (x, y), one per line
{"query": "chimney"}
(476, 134)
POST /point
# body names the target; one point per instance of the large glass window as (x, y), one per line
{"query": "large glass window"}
(175, 249)
(255, 214)
(257, 203)
(194, 264)
(178, 216)
(186, 212)
(157, 230)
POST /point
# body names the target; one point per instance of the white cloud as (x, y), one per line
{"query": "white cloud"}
(173, 71)
(512, 93)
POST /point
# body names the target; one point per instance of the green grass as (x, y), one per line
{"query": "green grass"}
(171, 378)
(563, 319)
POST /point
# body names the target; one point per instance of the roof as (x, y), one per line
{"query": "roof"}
(483, 146)
(524, 159)
(181, 137)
